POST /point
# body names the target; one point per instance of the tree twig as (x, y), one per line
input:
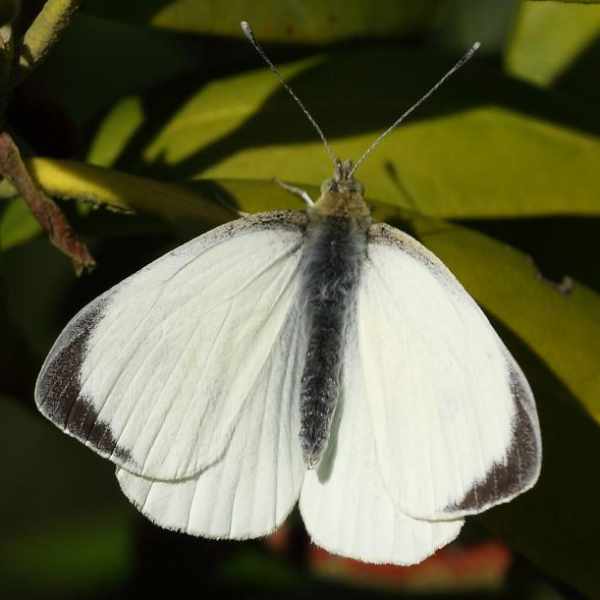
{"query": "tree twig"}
(43, 33)
(44, 209)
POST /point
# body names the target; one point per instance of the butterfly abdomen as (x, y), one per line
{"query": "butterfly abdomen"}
(333, 255)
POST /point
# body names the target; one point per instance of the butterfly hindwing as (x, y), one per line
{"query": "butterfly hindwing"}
(344, 502)
(254, 485)
(154, 374)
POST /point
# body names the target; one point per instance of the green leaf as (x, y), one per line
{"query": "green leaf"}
(17, 224)
(277, 20)
(507, 284)
(484, 146)
(116, 132)
(549, 37)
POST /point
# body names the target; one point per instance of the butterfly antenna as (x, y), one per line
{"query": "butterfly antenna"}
(250, 35)
(468, 55)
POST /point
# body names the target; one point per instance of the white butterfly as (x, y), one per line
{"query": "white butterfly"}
(300, 356)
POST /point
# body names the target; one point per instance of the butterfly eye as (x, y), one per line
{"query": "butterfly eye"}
(329, 186)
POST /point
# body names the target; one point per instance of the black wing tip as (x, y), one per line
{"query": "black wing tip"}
(80, 420)
(521, 467)
(58, 394)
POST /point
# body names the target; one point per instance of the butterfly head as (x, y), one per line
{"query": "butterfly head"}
(342, 195)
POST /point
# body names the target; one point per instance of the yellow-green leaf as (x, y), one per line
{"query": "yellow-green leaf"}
(122, 192)
(562, 328)
(484, 146)
(278, 20)
(549, 37)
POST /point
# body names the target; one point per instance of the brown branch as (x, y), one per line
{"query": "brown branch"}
(44, 209)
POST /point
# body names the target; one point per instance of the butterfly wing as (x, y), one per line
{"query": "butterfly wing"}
(155, 373)
(453, 416)
(344, 502)
(251, 489)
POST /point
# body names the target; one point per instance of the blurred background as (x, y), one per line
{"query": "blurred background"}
(151, 121)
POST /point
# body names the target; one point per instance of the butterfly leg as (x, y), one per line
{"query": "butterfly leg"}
(296, 191)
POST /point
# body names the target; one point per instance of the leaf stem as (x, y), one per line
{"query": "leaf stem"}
(44, 209)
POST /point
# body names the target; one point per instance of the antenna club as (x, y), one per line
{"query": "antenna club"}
(470, 53)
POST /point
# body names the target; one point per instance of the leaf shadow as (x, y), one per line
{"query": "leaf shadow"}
(580, 77)
(560, 246)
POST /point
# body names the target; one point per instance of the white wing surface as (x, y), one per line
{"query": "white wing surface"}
(251, 489)
(453, 417)
(156, 373)
(344, 502)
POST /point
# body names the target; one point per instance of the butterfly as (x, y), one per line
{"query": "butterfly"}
(310, 357)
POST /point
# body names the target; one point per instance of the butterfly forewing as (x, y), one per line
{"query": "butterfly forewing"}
(453, 418)
(155, 373)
